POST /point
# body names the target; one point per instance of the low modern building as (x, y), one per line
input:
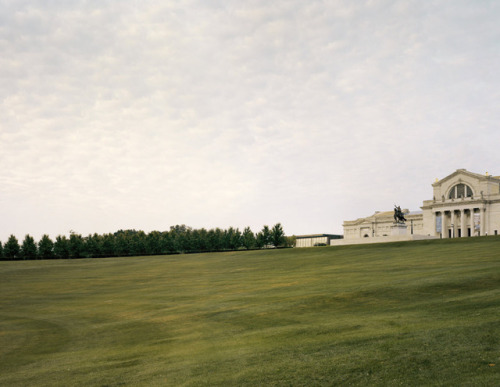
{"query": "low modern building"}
(464, 204)
(315, 240)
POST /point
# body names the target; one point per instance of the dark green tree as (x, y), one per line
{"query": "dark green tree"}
(61, 247)
(181, 235)
(277, 235)
(76, 245)
(28, 248)
(107, 245)
(46, 247)
(167, 243)
(266, 236)
(153, 243)
(1, 250)
(138, 244)
(215, 239)
(237, 239)
(248, 238)
(92, 246)
(122, 243)
(203, 239)
(260, 240)
(11, 248)
(195, 241)
(233, 239)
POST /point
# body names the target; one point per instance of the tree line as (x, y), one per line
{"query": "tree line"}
(179, 239)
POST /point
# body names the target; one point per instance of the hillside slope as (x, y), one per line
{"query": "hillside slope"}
(414, 313)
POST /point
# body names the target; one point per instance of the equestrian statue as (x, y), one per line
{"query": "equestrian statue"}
(399, 217)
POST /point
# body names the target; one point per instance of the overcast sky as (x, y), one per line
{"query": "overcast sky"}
(146, 114)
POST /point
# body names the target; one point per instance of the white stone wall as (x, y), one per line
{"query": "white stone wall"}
(386, 239)
(428, 223)
(494, 219)
(379, 225)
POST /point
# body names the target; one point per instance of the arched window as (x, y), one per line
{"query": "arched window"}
(460, 191)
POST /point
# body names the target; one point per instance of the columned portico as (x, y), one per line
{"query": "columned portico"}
(458, 222)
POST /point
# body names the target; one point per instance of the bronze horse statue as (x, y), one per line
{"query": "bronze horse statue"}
(399, 217)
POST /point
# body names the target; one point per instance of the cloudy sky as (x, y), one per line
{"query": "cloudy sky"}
(146, 114)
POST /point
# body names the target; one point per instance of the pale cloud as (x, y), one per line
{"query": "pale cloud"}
(144, 115)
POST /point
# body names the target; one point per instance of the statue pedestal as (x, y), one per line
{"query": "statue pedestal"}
(398, 229)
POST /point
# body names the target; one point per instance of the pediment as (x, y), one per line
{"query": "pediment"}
(458, 174)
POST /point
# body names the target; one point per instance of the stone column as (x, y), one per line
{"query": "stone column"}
(473, 227)
(434, 222)
(487, 230)
(444, 231)
(471, 216)
(453, 225)
(462, 223)
(483, 220)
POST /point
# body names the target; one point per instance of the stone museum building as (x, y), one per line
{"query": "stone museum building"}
(463, 204)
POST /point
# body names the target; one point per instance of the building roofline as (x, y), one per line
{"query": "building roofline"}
(317, 235)
(465, 172)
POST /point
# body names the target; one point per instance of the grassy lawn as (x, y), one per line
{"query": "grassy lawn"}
(414, 313)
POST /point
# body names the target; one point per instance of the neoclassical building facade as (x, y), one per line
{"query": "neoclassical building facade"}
(464, 204)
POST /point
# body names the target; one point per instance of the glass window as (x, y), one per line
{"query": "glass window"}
(460, 191)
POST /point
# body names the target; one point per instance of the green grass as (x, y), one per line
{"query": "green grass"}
(414, 313)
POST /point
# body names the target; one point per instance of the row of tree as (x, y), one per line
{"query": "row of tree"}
(180, 239)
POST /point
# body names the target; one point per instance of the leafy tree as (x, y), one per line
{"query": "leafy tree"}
(226, 239)
(266, 236)
(1, 250)
(122, 243)
(260, 240)
(76, 245)
(92, 246)
(277, 235)
(107, 245)
(290, 241)
(232, 239)
(11, 248)
(138, 244)
(248, 238)
(195, 241)
(61, 247)
(215, 239)
(181, 235)
(28, 248)
(153, 243)
(167, 243)
(46, 247)
(202, 237)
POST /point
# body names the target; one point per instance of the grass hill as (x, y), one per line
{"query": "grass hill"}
(413, 313)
